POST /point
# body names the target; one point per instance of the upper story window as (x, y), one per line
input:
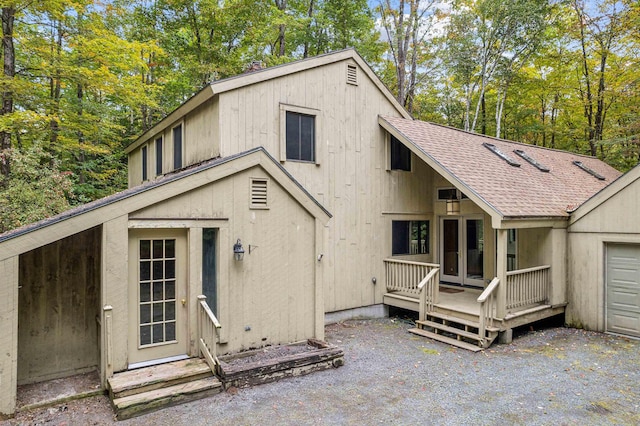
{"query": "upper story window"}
(158, 156)
(144, 163)
(400, 155)
(300, 136)
(177, 147)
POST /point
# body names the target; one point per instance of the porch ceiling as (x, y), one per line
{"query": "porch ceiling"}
(506, 192)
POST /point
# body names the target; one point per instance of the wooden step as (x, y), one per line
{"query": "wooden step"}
(461, 321)
(157, 376)
(462, 333)
(141, 403)
(445, 339)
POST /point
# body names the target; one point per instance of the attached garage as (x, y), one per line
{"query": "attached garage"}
(623, 289)
(603, 261)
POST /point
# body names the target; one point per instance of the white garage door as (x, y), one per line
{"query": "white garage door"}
(623, 289)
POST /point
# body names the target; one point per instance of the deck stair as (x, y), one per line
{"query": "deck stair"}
(455, 331)
(140, 391)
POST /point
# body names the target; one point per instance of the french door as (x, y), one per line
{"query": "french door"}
(157, 295)
(462, 250)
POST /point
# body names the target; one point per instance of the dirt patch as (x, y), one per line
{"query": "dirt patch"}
(58, 390)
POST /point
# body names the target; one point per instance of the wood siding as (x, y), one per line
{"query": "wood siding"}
(58, 306)
(350, 177)
(270, 296)
(9, 271)
(613, 221)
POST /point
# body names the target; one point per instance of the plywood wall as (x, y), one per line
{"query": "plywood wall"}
(269, 297)
(58, 305)
(350, 178)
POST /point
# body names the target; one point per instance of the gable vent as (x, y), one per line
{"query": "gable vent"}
(491, 147)
(352, 75)
(589, 170)
(258, 193)
(531, 160)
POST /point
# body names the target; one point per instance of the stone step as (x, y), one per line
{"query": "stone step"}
(452, 330)
(152, 400)
(158, 376)
(445, 339)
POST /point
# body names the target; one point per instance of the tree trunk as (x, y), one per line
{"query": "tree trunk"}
(8, 52)
(282, 6)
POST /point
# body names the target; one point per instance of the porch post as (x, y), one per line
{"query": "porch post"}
(9, 270)
(501, 273)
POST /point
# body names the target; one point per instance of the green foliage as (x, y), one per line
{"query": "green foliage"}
(35, 190)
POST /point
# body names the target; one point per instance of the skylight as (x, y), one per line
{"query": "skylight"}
(491, 147)
(531, 160)
(589, 170)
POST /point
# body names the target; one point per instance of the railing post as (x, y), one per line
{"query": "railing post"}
(201, 298)
(107, 313)
(501, 273)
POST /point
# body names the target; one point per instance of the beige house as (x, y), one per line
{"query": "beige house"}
(340, 205)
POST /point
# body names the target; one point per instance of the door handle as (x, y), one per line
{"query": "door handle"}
(184, 302)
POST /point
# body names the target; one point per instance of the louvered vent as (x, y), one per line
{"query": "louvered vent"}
(352, 75)
(259, 193)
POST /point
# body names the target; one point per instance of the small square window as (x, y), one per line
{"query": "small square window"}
(409, 237)
(400, 155)
(300, 136)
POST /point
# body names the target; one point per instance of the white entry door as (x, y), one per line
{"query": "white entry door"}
(623, 289)
(462, 250)
(157, 295)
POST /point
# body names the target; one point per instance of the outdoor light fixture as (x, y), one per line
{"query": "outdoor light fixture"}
(238, 251)
(453, 207)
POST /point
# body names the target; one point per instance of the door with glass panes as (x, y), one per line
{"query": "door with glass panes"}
(462, 250)
(157, 295)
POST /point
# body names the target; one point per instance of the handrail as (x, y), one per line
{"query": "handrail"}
(489, 290)
(527, 270)
(208, 333)
(412, 262)
(426, 279)
(487, 302)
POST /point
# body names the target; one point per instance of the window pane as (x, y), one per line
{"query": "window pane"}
(158, 312)
(158, 335)
(145, 335)
(170, 290)
(400, 237)
(145, 271)
(159, 156)
(145, 314)
(170, 311)
(293, 136)
(170, 269)
(157, 290)
(144, 163)
(400, 155)
(145, 249)
(306, 137)
(209, 287)
(170, 249)
(157, 249)
(145, 292)
(157, 269)
(177, 147)
(170, 331)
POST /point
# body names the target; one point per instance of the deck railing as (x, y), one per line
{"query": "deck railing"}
(428, 288)
(405, 276)
(208, 333)
(487, 302)
(527, 287)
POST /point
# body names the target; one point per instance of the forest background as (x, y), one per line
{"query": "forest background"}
(82, 78)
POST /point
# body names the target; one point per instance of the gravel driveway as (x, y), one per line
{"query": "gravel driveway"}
(555, 376)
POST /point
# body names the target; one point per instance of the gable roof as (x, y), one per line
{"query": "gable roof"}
(259, 76)
(92, 214)
(508, 191)
(605, 194)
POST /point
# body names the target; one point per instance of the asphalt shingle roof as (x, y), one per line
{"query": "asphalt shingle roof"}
(522, 191)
